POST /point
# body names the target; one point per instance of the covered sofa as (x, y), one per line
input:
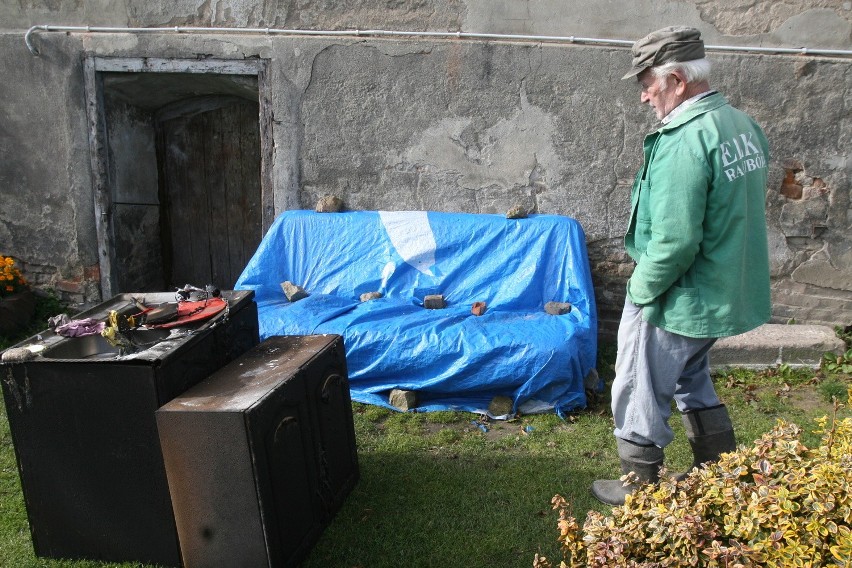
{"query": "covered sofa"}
(450, 357)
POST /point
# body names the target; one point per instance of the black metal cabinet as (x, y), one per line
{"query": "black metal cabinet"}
(261, 455)
(86, 440)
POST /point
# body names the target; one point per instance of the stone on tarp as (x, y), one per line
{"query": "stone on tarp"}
(329, 204)
(500, 406)
(402, 399)
(293, 292)
(557, 308)
(367, 296)
(434, 302)
(478, 308)
(517, 212)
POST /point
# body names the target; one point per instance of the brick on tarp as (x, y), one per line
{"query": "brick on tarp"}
(434, 302)
(557, 308)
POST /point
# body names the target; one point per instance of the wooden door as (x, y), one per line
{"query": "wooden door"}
(210, 202)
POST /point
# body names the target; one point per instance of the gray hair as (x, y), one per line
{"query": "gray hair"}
(694, 71)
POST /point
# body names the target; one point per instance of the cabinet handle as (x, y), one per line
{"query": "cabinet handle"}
(326, 386)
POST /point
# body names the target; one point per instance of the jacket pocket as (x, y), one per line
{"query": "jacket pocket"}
(642, 234)
(683, 310)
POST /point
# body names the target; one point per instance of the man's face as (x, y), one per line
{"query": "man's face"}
(660, 93)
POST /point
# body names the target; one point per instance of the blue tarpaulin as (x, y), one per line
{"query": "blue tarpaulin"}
(452, 358)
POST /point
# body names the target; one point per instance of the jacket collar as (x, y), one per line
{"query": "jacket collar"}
(708, 103)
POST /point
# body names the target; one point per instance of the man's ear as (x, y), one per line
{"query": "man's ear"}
(680, 82)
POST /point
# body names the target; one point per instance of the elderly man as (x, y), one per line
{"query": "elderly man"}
(697, 233)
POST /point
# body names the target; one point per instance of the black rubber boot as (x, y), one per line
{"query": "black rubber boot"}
(710, 433)
(644, 461)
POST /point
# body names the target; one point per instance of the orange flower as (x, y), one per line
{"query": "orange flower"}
(11, 279)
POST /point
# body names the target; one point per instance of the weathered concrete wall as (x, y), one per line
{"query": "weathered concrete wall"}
(46, 209)
(451, 125)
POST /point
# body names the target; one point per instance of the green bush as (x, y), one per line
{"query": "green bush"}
(776, 504)
(832, 363)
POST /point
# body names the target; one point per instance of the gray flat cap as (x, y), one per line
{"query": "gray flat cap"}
(674, 43)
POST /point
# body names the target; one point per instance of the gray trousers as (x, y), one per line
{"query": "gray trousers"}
(652, 368)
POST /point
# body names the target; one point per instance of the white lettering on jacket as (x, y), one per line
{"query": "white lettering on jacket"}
(740, 155)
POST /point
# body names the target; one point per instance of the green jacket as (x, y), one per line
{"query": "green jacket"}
(698, 224)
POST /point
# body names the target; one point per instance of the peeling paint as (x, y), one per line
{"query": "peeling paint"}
(746, 17)
(517, 151)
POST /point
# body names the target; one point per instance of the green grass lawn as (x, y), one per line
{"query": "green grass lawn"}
(437, 490)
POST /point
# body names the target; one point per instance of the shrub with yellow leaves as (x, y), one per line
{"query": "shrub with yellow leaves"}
(776, 504)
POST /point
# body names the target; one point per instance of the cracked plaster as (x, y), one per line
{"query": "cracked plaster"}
(505, 154)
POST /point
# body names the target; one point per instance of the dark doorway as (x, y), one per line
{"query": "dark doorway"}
(208, 154)
(181, 161)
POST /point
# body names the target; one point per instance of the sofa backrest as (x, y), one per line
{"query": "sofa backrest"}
(512, 264)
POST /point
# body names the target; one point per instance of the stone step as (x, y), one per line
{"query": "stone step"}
(775, 344)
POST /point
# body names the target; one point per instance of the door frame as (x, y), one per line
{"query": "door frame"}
(93, 67)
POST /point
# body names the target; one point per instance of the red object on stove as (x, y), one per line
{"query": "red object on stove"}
(189, 312)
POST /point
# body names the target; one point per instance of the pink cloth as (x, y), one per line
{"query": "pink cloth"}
(80, 328)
